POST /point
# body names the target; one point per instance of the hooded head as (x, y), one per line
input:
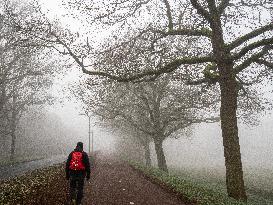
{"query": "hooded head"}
(79, 146)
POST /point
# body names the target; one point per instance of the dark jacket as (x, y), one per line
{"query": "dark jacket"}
(86, 163)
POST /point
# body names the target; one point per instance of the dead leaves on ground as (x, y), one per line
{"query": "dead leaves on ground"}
(43, 186)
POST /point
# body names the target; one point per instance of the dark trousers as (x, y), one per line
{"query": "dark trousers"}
(76, 187)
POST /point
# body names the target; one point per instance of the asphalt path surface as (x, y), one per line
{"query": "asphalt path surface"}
(116, 183)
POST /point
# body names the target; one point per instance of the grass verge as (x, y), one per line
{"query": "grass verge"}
(186, 188)
(257, 181)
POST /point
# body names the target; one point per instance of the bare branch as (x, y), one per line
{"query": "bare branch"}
(189, 122)
(252, 46)
(223, 5)
(251, 59)
(135, 124)
(169, 14)
(249, 36)
(186, 32)
(265, 62)
(168, 68)
(203, 12)
(212, 7)
(179, 126)
(198, 82)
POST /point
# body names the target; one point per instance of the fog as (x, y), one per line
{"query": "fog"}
(202, 149)
(51, 124)
(69, 114)
(205, 147)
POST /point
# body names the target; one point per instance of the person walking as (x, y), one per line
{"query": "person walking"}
(77, 168)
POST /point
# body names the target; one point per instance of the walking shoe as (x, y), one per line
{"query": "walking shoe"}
(74, 202)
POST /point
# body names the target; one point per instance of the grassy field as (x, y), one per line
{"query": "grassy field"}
(258, 182)
(207, 187)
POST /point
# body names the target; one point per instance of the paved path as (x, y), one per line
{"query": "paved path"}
(115, 183)
(10, 171)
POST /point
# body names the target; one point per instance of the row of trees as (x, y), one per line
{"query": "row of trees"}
(221, 42)
(150, 111)
(39, 134)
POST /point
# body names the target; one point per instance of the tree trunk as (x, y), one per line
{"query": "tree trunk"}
(3, 93)
(160, 155)
(147, 155)
(234, 170)
(13, 129)
(228, 86)
(12, 149)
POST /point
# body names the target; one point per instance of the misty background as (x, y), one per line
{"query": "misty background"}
(202, 149)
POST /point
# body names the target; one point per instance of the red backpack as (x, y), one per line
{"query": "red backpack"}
(76, 162)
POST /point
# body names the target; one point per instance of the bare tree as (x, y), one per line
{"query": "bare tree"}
(130, 138)
(234, 38)
(158, 109)
(26, 71)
